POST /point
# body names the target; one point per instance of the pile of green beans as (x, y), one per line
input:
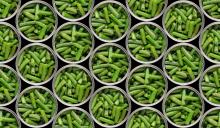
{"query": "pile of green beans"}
(9, 42)
(36, 64)
(211, 120)
(110, 21)
(7, 119)
(36, 106)
(7, 8)
(183, 64)
(183, 106)
(183, 21)
(146, 118)
(209, 42)
(9, 85)
(73, 119)
(73, 85)
(73, 42)
(210, 84)
(146, 9)
(110, 64)
(36, 21)
(146, 85)
(109, 106)
(73, 9)
(146, 42)
(211, 7)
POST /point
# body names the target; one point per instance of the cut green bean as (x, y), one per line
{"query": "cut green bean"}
(110, 21)
(183, 21)
(211, 7)
(183, 106)
(8, 8)
(36, 64)
(110, 107)
(7, 119)
(183, 63)
(73, 85)
(211, 119)
(35, 111)
(146, 85)
(146, 42)
(73, 42)
(36, 21)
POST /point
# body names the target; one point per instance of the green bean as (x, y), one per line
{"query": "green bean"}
(183, 106)
(73, 85)
(110, 107)
(40, 19)
(146, 85)
(8, 119)
(211, 7)
(109, 63)
(146, 42)
(73, 42)
(183, 21)
(39, 61)
(8, 8)
(183, 63)
(37, 111)
(110, 21)
(211, 119)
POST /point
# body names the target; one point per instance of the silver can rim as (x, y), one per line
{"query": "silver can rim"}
(108, 2)
(205, 114)
(14, 13)
(40, 45)
(147, 108)
(92, 55)
(144, 19)
(206, 14)
(155, 68)
(36, 2)
(199, 54)
(73, 108)
(73, 66)
(200, 42)
(165, 42)
(185, 2)
(19, 84)
(26, 91)
(200, 84)
(13, 113)
(19, 42)
(164, 106)
(54, 42)
(125, 96)
(76, 19)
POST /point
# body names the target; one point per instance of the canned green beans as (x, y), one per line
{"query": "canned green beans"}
(36, 21)
(36, 106)
(146, 117)
(109, 106)
(73, 85)
(109, 21)
(36, 63)
(10, 42)
(183, 21)
(210, 8)
(73, 10)
(146, 10)
(209, 83)
(8, 9)
(183, 106)
(73, 42)
(8, 119)
(10, 85)
(109, 64)
(146, 42)
(209, 42)
(73, 117)
(210, 119)
(183, 64)
(146, 85)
